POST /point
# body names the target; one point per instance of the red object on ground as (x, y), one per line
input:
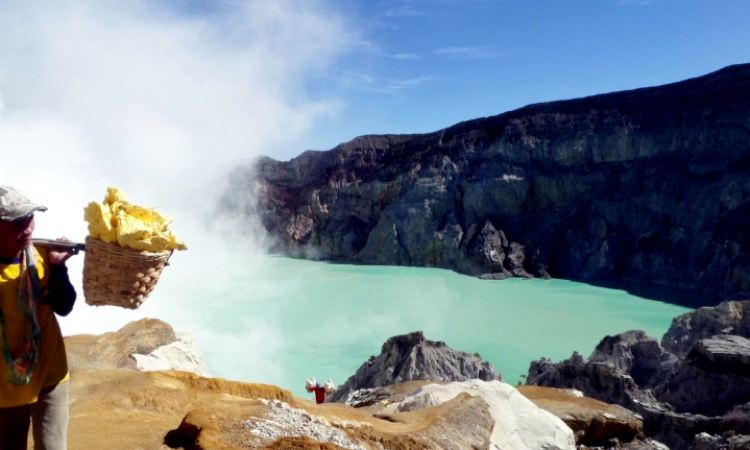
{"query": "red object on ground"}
(320, 394)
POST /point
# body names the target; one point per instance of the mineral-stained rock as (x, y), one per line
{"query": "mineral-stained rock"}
(412, 357)
(713, 378)
(729, 317)
(594, 423)
(651, 185)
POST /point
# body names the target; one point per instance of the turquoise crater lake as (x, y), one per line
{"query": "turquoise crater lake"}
(286, 319)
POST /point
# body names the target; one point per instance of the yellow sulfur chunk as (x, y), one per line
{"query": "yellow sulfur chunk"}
(175, 242)
(118, 221)
(114, 196)
(99, 218)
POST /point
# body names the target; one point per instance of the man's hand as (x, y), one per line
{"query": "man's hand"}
(58, 255)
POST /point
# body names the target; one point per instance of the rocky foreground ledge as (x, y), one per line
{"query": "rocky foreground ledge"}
(651, 185)
(140, 387)
(114, 401)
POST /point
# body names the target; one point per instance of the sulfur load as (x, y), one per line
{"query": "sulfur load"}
(117, 221)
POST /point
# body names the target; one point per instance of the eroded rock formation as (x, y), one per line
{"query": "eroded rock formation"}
(651, 184)
(412, 357)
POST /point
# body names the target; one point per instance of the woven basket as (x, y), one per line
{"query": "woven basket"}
(119, 276)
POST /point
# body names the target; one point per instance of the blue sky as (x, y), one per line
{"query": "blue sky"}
(427, 64)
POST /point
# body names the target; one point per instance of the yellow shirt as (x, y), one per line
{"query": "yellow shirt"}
(52, 368)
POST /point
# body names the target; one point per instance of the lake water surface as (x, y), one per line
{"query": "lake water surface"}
(286, 320)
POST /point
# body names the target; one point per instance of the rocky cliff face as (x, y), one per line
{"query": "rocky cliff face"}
(651, 184)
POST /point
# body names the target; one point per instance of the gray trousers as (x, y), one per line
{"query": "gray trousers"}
(49, 417)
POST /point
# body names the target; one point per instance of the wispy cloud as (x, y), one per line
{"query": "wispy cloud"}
(409, 56)
(385, 86)
(414, 8)
(403, 11)
(469, 52)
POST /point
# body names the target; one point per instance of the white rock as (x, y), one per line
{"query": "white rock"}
(519, 423)
(182, 354)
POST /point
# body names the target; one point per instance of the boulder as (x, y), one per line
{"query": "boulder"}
(412, 357)
(182, 354)
(594, 423)
(144, 345)
(518, 423)
(729, 317)
(115, 349)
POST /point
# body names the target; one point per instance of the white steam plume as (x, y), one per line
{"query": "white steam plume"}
(161, 103)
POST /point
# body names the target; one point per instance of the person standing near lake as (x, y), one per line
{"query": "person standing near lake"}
(34, 285)
(321, 392)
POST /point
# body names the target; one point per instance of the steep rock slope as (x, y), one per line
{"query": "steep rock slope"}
(651, 184)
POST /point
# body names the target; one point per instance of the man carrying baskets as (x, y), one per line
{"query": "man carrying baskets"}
(34, 285)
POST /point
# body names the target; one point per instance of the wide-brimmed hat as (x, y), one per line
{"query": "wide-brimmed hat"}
(15, 205)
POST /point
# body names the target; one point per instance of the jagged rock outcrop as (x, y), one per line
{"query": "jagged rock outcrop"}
(412, 357)
(713, 378)
(599, 380)
(729, 317)
(651, 185)
(707, 391)
(636, 354)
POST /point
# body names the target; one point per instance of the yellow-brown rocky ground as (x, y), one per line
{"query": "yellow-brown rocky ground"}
(114, 406)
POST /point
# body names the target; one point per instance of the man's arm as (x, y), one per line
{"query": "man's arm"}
(62, 294)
